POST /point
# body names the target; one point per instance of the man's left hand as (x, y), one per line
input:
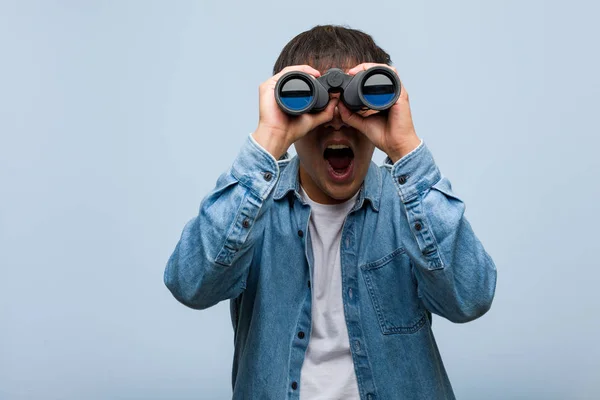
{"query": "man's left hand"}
(393, 134)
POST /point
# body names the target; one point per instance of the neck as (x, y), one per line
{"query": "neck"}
(313, 191)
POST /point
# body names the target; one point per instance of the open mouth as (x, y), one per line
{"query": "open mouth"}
(340, 159)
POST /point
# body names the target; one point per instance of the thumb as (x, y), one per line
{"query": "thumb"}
(324, 116)
(354, 120)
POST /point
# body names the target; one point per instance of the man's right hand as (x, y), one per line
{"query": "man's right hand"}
(276, 130)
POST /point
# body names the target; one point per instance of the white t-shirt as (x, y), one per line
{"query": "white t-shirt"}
(328, 371)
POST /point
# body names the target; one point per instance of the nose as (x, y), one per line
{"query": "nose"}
(336, 122)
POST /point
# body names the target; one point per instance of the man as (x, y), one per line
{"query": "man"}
(332, 264)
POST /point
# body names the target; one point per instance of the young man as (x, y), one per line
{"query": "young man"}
(332, 264)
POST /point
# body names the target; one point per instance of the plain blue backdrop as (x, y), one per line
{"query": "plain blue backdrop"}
(116, 118)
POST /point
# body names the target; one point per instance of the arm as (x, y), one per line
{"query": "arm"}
(211, 260)
(456, 278)
(455, 275)
(213, 256)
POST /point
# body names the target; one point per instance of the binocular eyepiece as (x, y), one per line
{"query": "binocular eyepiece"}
(377, 88)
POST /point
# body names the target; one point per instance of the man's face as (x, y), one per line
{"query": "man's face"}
(334, 160)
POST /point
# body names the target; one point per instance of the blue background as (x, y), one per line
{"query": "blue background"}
(116, 118)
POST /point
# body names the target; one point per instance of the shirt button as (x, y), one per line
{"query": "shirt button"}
(370, 396)
(246, 223)
(357, 345)
(350, 292)
(300, 335)
(402, 179)
(268, 176)
(294, 385)
(418, 226)
(300, 233)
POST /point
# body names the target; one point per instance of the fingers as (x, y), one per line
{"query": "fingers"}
(403, 92)
(353, 119)
(270, 83)
(366, 66)
(367, 113)
(326, 115)
(305, 123)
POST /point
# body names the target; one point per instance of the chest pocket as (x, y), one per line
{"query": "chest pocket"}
(393, 291)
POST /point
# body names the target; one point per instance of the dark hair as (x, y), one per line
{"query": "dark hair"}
(327, 46)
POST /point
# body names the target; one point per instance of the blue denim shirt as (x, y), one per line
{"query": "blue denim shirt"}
(407, 251)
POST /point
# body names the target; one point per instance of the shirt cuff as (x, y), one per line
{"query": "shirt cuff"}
(414, 173)
(255, 168)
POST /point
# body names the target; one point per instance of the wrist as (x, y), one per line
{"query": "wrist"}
(404, 148)
(272, 140)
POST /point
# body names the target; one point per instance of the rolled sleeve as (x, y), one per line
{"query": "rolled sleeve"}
(456, 277)
(414, 173)
(255, 169)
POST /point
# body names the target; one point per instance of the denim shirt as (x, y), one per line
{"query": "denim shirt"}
(407, 251)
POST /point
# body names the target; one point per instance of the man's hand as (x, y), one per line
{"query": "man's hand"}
(276, 130)
(393, 134)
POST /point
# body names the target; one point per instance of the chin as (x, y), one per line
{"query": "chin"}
(342, 194)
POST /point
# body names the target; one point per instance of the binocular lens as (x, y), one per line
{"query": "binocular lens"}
(296, 94)
(379, 90)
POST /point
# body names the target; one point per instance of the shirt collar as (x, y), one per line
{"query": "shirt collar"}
(289, 182)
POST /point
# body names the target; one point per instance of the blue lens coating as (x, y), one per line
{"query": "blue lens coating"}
(296, 94)
(379, 90)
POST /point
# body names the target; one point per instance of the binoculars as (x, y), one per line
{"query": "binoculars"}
(377, 88)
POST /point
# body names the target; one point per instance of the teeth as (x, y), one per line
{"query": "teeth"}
(337, 146)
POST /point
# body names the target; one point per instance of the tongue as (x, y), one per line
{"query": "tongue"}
(339, 163)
